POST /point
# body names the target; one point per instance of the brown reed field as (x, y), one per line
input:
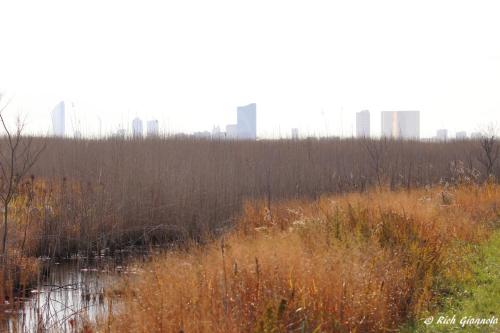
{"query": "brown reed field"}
(367, 262)
(92, 195)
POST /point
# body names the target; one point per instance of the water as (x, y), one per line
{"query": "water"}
(72, 295)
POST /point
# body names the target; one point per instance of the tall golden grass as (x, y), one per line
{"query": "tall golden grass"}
(349, 263)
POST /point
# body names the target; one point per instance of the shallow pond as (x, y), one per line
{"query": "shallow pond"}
(69, 295)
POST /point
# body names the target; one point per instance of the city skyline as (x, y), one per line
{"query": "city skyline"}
(398, 124)
(78, 124)
(189, 73)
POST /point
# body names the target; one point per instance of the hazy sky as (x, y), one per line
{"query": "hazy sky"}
(307, 64)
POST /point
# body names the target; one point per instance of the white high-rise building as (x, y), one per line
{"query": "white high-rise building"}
(401, 124)
(152, 128)
(231, 131)
(442, 134)
(363, 124)
(137, 130)
(461, 135)
(295, 133)
(59, 119)
(247, 122)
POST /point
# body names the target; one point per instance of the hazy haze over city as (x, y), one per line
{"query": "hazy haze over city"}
(307, 64)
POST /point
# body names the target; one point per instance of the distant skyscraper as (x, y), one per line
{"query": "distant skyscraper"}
(363, 124)
(461, 135)
(442, 134)
(231, 131)
(152, 128)
(476, 135)
(401, 124)
(295, 133)
(58, 119)
(137, 130)
(247, 122)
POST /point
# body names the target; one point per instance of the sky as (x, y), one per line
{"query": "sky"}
(307, 64)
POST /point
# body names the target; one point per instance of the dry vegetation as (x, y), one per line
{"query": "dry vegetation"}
(88, 196)
(18, 275)
(355, 263)
(107, 194)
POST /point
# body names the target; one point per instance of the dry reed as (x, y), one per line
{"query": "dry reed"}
(360, 262)
(113, 193)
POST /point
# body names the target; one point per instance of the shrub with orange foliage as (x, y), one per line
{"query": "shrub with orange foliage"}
(359, 262)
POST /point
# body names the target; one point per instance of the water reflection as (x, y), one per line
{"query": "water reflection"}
(71, 295)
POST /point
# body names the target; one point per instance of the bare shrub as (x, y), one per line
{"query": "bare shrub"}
(490, 151)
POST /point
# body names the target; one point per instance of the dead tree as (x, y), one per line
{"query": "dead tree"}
(489, 154)
(18, 154)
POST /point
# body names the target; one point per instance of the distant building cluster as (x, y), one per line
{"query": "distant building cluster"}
(152, 128)
(246, 124)
(394, 124)
(244, 129)
(442, 135)
(402, 125)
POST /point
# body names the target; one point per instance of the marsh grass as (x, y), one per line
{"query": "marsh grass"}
(89, 197)
(359, 262)
(17, 275)
(108, 194)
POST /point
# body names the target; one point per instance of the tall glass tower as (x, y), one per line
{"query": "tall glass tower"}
(58, 119)
(247, 122)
